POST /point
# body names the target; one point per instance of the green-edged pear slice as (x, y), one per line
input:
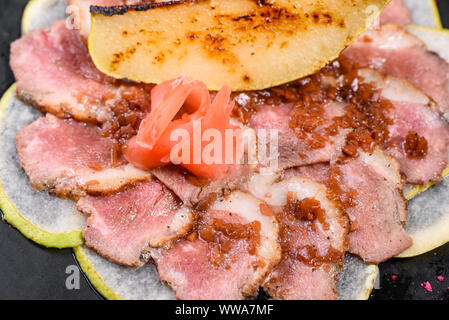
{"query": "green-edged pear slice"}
(425, 13)
(357, 279)
(47, 220)
(117, 282)
(428, 219)
(437, 40)
(39, 14)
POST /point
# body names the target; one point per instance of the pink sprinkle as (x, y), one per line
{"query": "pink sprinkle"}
(394, 277)
(440, 278)
(426, 285)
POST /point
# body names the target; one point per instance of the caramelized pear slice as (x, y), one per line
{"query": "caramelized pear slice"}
(245, 44)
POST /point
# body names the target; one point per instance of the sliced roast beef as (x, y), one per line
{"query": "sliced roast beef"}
(122, 227)
(394, 51)
(71, 159)
(272, 124)
(313, 232)
(194, 191)
(371, 188)
(419, 136)
(55, 73)
(228, 257)
(396, 12)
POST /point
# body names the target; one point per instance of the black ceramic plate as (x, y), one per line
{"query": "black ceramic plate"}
(29, 271)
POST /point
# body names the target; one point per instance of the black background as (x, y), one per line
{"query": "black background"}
(29, 271)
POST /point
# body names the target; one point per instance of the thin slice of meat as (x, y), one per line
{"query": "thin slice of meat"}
(230, 254)
(272, 124)
(71, 159)
(55, 73)
(413, 113)
(313, 232)
(122, 227)
(373, 189)
(396, 12)
(318, 172)
(394, 51)
(194, 191)
(421, 122)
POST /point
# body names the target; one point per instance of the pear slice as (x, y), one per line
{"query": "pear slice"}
(47, 220)
(117, 282)
(39, 14)
(244, 44)
(357, 279)
(425, 13)
(428, 220)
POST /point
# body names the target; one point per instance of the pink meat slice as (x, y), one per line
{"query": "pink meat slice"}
(423, 121)
(292, 152)
(394, 51)
(71, 159)
(54, 72)
(396, 12)
(122, 227)
(199, 192)
(379, 210)
(312, 250)
(189, 269)
(413, 112)
(294, 280)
